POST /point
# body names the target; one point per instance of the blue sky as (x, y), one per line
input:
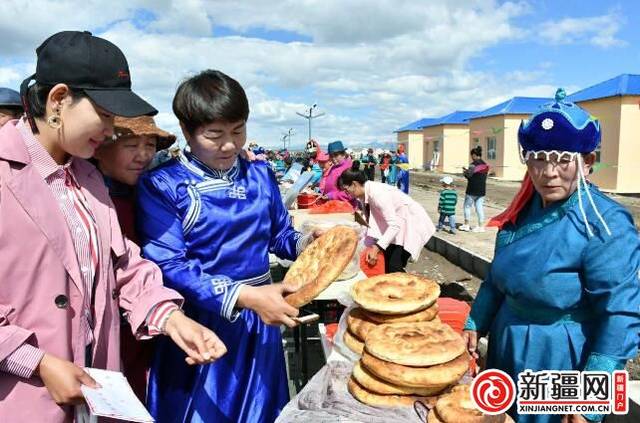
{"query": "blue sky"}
(370, 65)
(579, 63)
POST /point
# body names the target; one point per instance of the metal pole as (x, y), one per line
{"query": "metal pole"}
(310, 117)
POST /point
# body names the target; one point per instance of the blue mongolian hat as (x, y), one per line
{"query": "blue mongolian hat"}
(564, 129)
(560, 126)
(10, 98)
(336, 147)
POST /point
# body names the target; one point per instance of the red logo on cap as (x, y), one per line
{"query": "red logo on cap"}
(123, 74)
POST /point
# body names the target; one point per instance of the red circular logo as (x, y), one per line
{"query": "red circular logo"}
(493, 391)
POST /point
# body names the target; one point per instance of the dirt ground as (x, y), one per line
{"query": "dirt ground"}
(500, 193)
(454, 281)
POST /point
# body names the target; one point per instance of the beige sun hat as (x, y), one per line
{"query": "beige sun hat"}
(142, 126)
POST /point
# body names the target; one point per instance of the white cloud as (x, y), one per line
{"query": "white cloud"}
(181, 16)
(600, 31)
(8, 75)
(25, 24)
(370, 66)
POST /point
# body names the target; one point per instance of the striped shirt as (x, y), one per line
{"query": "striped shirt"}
(77, 213)
(84, 234)
(448, 201)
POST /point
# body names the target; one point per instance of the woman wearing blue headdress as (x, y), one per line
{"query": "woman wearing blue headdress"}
(562, 292)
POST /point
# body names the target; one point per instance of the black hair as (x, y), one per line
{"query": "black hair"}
(12, 108)
(352, 175)
(37, 96)
(208, 97)
(477, 151)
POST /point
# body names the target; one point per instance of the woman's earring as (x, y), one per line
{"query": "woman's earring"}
(55, 121)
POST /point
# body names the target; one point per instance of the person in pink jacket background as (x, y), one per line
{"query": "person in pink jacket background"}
(329, 182)
(65, 266)
(398, 225)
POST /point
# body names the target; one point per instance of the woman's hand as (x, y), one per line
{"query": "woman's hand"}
(63, 379)
(248, 155)
(372, 255)
(268, 301)
(471, 339)
(317, 233)
(199, 342)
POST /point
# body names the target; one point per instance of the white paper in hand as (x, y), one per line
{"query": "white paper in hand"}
(115, 398)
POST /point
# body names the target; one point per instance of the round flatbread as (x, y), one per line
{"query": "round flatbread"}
(377, 400)
(457, 407)
(359, 324)
(423, 377)
(376, 385)
(433, 417)
(395, 293)
(415, 344)
(426, 315)
(320, 264)
(354, 344)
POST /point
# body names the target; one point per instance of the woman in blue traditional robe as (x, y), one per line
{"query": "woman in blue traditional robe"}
(209, 219)
(562, 292)
(402, 166)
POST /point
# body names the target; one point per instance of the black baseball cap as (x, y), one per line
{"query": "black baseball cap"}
(94, 65)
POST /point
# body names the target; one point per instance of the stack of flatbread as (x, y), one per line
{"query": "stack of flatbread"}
(390, 298)
(407, 354)
(456, 407)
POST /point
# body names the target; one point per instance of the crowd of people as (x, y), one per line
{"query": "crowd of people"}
(102, 253)
(393, 165)
(123, 239)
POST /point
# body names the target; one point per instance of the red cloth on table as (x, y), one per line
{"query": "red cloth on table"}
(367, 269)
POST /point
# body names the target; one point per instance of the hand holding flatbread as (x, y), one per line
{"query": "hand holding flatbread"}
(320, 264)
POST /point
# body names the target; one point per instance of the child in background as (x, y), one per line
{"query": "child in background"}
(447, 204)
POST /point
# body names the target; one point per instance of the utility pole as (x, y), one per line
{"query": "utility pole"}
(287, 136)
(309, 117)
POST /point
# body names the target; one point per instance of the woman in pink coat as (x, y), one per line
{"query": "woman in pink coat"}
(65, 266)
(398, 225)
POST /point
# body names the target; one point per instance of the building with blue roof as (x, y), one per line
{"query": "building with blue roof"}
(410, 135)
(443, 143)
(496, 130)
(415, 126)
(616, 104)
(446, 142)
